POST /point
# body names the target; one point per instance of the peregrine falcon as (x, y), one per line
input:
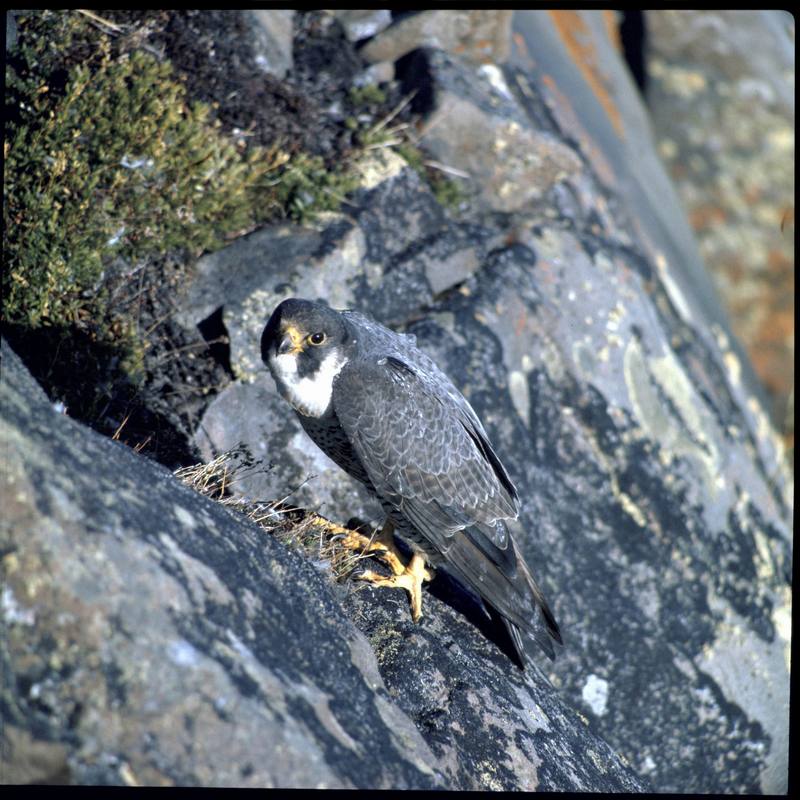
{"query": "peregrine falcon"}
(386, 414)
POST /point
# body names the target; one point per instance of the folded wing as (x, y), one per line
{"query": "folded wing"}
(427, 455)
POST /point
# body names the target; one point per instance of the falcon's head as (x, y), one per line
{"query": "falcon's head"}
(305, 345)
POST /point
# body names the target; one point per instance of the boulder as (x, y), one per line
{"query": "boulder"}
(482, 35)
(272, 35)
(584, 329)
(721, 96)
(152, 636)
(363, 23)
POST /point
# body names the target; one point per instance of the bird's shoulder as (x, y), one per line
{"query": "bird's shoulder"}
(405, 376)
(410, 414)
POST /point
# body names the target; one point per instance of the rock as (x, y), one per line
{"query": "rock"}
(656, 530)
(481, 35)
(657, 506)
(721, 96)
(588, 93)
(486, 728)
(363, 23)
(253, 413)
(150, 636)
(477, 127)
(27, 760)
(375, 74)
(230, 274)
(397, 251)
(153, 637)
(273, 40)
(394, 251)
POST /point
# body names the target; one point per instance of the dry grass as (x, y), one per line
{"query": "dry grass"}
(317, 536)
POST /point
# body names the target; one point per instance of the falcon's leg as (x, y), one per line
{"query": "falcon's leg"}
(410, 579)
(381, 545)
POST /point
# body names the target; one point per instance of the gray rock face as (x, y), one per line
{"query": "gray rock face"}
(662, 542)
(272, 31)
(152, 637)
(584, 330)
(721, 94)
(393, 262)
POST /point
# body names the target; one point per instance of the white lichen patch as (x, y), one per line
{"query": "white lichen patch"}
(13, 612)
(533, 712)
(407, 739)
(184, 517)
(631, 509)
(733, 366)
(379, 165)
(320, 703)
(648, 765)
(673, 290)
(595, 694)
(494, 77)
(202, 582)
(269, 684)
(615, 317)
(691, 434)
(520, 396)
(182, 653)
(753, 675)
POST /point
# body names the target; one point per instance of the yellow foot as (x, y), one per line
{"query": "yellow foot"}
(380, 544)
(409, 579)
(383, 547)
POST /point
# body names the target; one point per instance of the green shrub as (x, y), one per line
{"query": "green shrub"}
(369, 95)
(110, 162)
(307, 187)
(448, 192)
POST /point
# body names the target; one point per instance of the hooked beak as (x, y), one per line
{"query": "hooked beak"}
(291, 342)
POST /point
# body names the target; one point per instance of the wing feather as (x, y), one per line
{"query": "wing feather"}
(427, 455)
(418, 443)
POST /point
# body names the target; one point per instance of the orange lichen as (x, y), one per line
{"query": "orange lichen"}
(706, 216)
(522, 48)
(568, 120)
(577, 38)
(779, 262)
(612, 29)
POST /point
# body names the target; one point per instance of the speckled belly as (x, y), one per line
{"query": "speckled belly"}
(329, 436)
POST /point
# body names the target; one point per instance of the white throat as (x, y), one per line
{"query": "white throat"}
(312, 394)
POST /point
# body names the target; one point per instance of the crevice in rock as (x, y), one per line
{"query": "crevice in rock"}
(215, 334)
(633, 35)
(414, 73)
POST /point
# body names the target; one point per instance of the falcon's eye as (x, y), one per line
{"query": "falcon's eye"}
(317, 338)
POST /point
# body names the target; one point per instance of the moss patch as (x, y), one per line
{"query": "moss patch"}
(307, 187)
(448, 193)
(369, 95)
(105, 158)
